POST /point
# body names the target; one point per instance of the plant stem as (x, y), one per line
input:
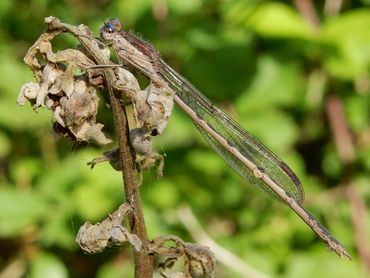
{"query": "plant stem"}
(143, 261)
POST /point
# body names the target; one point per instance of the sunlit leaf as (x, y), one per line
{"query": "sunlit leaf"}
(358, 112)
(321, 265)
(348, 39)
(185, 7)
(268, 126)
(280, 21)
(274, 83)
(20, 211)
(114, 270)
(47, 265)
(163, 194)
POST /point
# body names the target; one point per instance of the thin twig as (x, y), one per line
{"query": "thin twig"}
(346, 151)
(307, 10)
(359, 217)
(332, 7)
(223, 255)
(338, 125)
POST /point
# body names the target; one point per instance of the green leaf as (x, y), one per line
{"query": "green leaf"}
(131, 10)
(185, 7)
(114, 270)
(364, 156)
(232, 193)
(274, 128)
(13, 73)
(331, 163)
(25, 170)
(348, 39)
(358, 112)
(47, 265)
(207, 162)
(92, 201)
(59, 230)
(279, 21)
(26, 118)
(163, 194)
(321, 263)
(19, 210)
(275, 83)
(5, 7)
(99, 192)
(5, 144)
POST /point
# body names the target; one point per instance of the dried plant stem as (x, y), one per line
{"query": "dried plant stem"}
(143, 261)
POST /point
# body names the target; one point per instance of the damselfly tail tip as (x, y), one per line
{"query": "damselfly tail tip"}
(345, 254)
(341, 252)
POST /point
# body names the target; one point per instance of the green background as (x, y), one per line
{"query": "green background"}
(261, 61)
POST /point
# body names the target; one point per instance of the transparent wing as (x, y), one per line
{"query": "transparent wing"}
(266, 161)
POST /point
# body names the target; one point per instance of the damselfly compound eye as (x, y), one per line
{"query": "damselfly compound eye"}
(109, 27)
(113, 25)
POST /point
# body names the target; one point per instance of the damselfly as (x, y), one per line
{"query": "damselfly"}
(247, 156)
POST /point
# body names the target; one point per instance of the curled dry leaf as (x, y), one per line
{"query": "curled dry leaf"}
(154, 107)
(63, 86)
(110, 232)
(29, 92)
(198, 260)
(95, 238)
(201, 261)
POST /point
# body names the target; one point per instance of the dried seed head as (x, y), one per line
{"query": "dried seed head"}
(201, 260)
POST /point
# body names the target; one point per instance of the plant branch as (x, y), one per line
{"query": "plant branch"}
(343, 140)
(307, 9)
(143, 261)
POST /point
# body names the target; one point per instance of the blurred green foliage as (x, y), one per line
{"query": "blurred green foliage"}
(267, 66)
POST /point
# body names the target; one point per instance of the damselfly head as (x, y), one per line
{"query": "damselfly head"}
(110, 29)
(113, 25)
